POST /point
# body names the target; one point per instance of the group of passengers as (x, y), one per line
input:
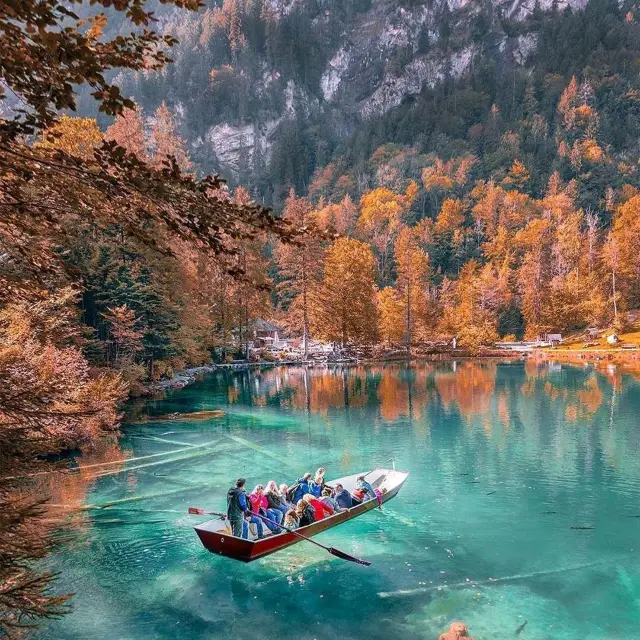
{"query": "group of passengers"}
(277, 508)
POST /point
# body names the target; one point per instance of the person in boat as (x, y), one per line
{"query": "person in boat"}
(305, 512)
(260, 506)
(284, 490)
(237, 507)
(302, 487)
(317, 484)
(321, 509)
(291, 520)
(379, 493)
(358, 496)
(343, 497)
(363, 485)
(275, 499)
(329, 500)
(238, 511)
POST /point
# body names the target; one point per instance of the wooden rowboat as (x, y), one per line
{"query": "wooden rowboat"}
(216, 536)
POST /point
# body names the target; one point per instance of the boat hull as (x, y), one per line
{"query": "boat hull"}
(249, 550)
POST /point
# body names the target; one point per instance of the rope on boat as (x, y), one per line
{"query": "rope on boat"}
(400, 593)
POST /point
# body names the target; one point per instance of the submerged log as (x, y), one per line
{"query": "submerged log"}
(194, 415)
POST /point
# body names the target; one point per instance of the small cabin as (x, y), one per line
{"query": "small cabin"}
(266, 334)
(553, 339)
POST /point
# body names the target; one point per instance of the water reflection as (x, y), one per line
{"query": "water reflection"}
(469, 388)
(505, 459)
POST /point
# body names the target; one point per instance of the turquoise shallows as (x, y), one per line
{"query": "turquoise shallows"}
(523, 505)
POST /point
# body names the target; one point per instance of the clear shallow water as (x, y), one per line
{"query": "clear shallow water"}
(504, 460)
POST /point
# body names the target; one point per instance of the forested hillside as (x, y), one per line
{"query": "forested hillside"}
(498, 140)
(272, 93)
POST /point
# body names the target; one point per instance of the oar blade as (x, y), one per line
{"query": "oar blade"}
(346, 556)
(194, 511)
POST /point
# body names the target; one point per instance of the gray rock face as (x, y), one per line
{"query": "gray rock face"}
(391, 53)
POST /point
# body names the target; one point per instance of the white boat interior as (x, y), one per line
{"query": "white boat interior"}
(384, 479)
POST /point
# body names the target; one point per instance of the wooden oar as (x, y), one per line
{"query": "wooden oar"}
(332, 550)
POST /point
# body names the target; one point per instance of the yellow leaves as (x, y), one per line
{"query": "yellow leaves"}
(567, 101)
(584, 113)
(340, 217)
(591, 151)
(75, 136)
(411, 193)
(391, 318)
(97, 26)
(381, 206)
(344, 308)
(518, 175)
(443, 176)
(451, 216)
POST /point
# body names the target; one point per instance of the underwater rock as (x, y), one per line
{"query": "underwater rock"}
(456, 631)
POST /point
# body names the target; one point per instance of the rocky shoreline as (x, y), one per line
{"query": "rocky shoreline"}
(186, 377)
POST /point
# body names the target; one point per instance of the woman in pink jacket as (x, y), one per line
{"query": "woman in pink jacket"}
(260, 506)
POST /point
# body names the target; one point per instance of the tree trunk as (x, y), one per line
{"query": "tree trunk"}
(409, 320)
(305, 316)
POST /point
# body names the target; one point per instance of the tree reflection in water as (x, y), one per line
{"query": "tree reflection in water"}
(38, 505)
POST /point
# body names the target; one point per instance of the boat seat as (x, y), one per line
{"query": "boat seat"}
(253, 531)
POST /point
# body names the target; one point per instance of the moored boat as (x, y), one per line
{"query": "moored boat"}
(216, 536)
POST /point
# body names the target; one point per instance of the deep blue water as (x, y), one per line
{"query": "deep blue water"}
(504, 459)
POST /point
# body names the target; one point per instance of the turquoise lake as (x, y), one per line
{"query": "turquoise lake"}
(522, 506)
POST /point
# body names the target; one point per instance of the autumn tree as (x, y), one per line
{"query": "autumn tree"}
(443, 178)
(300, 265)
(51, 397)
(126, 338)
(469, 309)
(78, 137)
(344, 309)
(412, 267)
(391, 316)
(166, 142)
(128, 132)
(381, 216)
(340, 217)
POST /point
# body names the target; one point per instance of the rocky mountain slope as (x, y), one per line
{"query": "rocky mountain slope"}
(267, 90)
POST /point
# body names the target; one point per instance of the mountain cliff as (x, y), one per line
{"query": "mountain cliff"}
(269, 91)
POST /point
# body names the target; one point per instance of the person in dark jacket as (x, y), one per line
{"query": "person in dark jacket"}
(302, 487)
(305, 512)
(343, 497)
(275, 500)
(237, 508)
